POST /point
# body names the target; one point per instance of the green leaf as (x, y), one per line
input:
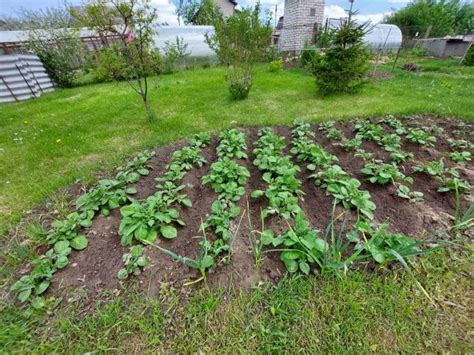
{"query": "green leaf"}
(80, 242)
(131, 191)
(142, 261)
(122, 274)
(42, 287)
(267, 237)
(304, 267)
(187, 202)
(61, 262)
(257, 193)
(136, 250)
(37, 302)
(62, 247)
(86, 223)
(168, 232)
(23, 296)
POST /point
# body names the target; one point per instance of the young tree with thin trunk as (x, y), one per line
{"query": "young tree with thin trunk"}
(130, 21)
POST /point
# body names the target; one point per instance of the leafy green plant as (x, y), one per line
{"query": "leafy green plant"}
(384, 246)
(460, 157)
(391, 142)
(394, 123)
(350, 144)
(419, 136)
(369, 131)
(404, 191)
(140, 221)
(232, 144)
(363, 154)
(239, 42)
(67, 230)
(227, 178)
(381, 173)
(452, 184)
(276, 65)
(460, 144)
(134, 261)
(107, 195)
(399, 156)
(301, 246)
(345, 189)
(283, 188)
(435, 168)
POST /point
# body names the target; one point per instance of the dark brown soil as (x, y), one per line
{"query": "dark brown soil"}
(94, 270)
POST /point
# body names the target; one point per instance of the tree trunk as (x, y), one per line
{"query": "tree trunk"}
(151, 118)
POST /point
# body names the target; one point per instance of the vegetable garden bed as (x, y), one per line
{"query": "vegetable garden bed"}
(249, 204)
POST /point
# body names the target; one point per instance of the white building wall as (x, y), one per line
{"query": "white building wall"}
(299, 19)
(226, 6)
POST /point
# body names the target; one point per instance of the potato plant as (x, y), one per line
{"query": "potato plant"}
(133, 261)
(232, 145)
(300, 245)
(460, 158)
(369, 131)
(330, 176)
(394, 123)
(381, 173)
(228, 179)
(65, 234)
(283, 188)
(142, 220)
(420, 137)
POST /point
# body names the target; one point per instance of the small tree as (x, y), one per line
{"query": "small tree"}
(55, 42)
(343, 66)
(239, 42)
(131, 22)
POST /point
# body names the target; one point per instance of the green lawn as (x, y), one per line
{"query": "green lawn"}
(48, 143)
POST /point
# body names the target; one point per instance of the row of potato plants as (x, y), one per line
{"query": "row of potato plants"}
(382, 173)
(227, 179)
(299, 245)
(141, 220)
(65, 235)
(371, 241)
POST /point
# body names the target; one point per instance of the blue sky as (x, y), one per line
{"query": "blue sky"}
(368, 9)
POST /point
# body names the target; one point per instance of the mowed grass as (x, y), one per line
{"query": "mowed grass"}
(50, 142)
(382, 312)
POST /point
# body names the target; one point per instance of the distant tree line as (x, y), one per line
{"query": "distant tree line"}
(446, 17)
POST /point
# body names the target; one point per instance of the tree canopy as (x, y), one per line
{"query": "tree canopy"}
(447, 17)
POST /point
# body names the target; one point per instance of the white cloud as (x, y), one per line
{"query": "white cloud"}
(166, 11)
(335, 11)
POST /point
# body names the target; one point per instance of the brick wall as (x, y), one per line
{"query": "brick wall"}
(298, 24)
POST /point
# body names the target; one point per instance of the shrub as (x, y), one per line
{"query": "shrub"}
(276, 65)
(469, 58)
(111, 65)
(240, 41)
(307, 57)
(175, 53)
(240, 81)
(342, 68)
